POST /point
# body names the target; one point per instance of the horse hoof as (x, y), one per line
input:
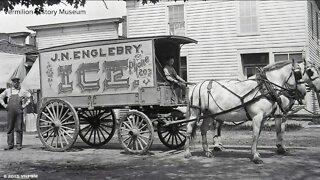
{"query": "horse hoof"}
(217, 148)
(208, 154)
(187, 155)
(257, 161)
(281, 151)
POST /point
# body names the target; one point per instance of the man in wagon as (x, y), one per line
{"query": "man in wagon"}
(175, 80)
(18, 99)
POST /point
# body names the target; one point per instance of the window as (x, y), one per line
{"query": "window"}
(176, 20)
(248, 18)
(183, 68)
(288, 56)
(250, 62)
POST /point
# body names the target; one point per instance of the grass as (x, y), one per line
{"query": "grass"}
(266, 127)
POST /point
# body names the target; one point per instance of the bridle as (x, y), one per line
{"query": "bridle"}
(308, 70)
(293, 93)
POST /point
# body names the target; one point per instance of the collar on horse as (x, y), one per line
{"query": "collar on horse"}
(274, 91)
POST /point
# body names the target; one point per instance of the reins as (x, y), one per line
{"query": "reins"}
(264, 86)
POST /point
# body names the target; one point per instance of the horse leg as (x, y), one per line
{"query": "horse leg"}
(204, 128)
(217, 145)
(190, 127)
(280, 129)
(257, 124)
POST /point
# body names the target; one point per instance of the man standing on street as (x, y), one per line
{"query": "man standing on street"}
(18, 99)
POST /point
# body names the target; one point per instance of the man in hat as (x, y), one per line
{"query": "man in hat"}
(18, 99)
(174, 79)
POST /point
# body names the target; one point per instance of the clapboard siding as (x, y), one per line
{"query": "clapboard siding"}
(68, 35)
(146, 20)
(214, 24)
(313, 51)
(45, 42)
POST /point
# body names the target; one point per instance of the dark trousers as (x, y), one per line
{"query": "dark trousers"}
(15, 122)
(180, 90)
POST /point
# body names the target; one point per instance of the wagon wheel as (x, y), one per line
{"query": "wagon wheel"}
(173, 136)
(96, 126)
(135, 132)
(57, 125)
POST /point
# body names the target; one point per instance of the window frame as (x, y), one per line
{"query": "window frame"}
(168, 18)
(245, 67)
(182, 68)
(239, 21)
(288, 55)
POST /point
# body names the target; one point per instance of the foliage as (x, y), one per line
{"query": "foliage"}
(7, 5)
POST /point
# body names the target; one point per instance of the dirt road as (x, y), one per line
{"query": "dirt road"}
(110, 162)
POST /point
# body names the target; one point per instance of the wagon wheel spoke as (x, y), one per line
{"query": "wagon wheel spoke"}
(51, 114)
(102, 126)
(88, 131)
(47, 116)
(99, 129)
(172, 136)
(43, 120)
(64, 131)
(49, 136)
(47, 130)
(64, 137)
(179, 138)
(104, 130)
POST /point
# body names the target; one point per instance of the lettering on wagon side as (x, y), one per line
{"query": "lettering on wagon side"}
(114, 70)
(95, 53)
(65, 85)
(83, 83)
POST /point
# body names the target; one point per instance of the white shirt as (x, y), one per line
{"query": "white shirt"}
(10, 91)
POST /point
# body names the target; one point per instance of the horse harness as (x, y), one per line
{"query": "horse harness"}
(265, 87)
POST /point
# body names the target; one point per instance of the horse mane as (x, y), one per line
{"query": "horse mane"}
(276, 65)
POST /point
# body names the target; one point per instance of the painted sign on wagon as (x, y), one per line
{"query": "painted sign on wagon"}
(107, 69)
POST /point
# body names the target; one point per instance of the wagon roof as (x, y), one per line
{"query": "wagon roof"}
(165, 39)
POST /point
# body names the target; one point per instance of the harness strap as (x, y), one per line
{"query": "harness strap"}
(268, 86)
(209, 87)
(241, 99)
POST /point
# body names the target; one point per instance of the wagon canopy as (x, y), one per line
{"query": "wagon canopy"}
(11, 65)
(178, 40)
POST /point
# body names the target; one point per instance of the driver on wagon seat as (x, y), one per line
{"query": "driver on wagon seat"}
(175, 80)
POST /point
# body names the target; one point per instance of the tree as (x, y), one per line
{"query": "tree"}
(7, 5)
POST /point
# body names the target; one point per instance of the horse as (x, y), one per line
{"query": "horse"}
(310, 77)
(235, 101)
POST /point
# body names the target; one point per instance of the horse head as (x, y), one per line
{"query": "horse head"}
(311, 75)
(287, 76)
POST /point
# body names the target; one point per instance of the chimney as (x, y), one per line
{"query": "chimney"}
(32, 39)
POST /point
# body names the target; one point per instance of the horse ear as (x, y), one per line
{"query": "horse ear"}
(293, 63)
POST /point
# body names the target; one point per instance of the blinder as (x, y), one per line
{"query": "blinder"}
(297, 73)
(309, 72)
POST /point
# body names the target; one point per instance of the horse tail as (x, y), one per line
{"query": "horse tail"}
(194, 131)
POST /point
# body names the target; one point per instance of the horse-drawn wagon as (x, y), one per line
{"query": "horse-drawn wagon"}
(83, 83)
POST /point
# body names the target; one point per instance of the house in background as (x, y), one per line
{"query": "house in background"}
(50, 35)
(234, 37)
